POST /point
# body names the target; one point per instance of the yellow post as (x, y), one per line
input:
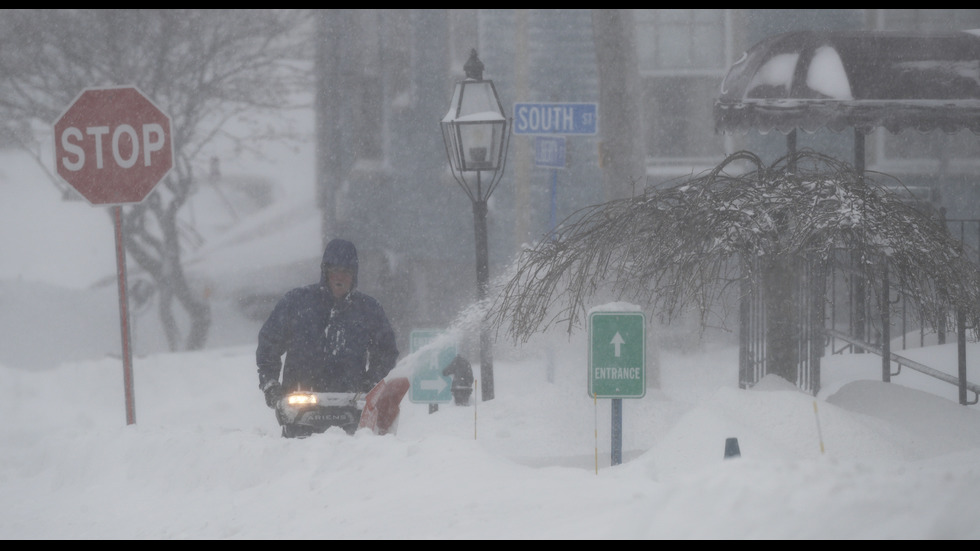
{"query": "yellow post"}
(819, 434)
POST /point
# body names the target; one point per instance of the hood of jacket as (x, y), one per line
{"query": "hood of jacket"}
(339, 252)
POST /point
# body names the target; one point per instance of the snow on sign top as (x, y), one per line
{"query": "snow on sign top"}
(616, 307)
(113, 145)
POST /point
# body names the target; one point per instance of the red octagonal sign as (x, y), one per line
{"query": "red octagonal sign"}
(113, 145)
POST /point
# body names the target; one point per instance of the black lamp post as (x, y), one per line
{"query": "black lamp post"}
(476, 134)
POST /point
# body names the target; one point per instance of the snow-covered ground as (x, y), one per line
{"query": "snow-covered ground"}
(862, 460)
(865, 459)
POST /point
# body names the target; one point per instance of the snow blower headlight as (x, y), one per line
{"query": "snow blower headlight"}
(301, 399)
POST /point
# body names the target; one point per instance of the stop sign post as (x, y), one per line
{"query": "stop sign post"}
(113, 146)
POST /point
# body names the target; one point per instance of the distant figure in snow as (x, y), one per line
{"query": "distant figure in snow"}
(462, 373)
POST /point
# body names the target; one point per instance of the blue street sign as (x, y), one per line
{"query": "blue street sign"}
(556, 118)
(549, 152)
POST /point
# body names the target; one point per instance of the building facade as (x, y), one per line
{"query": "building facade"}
(418, 225)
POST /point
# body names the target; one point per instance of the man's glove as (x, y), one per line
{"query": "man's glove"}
(273, 393)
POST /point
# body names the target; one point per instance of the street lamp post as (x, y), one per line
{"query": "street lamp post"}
(476, 134)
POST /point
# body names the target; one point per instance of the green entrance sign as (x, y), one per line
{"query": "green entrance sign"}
(428, 384)
(617, 355)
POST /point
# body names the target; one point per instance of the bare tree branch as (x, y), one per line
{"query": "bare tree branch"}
(681, 247)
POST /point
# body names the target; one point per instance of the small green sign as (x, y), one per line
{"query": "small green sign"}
(428, 385)
(617, 355)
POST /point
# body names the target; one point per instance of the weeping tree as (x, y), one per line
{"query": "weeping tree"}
(204, 68)
(682, 247)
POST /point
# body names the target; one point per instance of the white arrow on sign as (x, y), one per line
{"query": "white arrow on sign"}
(617, 341)
(439, 384)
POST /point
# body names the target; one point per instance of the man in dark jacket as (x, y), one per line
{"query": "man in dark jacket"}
(335, 338)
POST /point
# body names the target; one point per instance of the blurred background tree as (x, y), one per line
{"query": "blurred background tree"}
(204, 68)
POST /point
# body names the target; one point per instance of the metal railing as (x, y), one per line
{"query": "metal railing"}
(911, 364)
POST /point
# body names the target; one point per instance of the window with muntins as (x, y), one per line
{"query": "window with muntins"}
(683, 59)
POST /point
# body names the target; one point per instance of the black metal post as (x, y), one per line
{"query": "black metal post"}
(482, 285)
(744, 332)
(886, 335)
(961, 352)
(858, 290)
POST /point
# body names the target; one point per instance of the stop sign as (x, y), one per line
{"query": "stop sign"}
(113, 145)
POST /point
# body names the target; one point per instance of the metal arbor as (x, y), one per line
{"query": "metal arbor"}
(840, 80)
